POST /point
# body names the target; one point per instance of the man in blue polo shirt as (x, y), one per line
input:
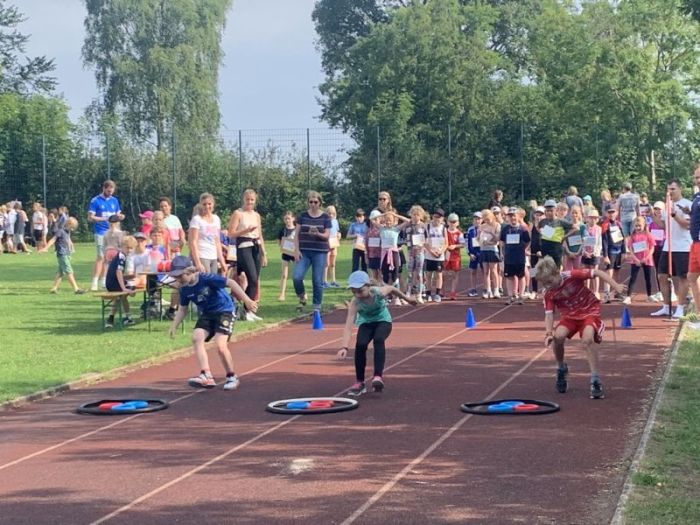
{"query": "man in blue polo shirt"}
(101, 208)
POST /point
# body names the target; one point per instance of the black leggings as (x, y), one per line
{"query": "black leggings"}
(377, 333)
(249, 263)
(534, 259)
(657, 258)
(390, 276)
(633, 278)
(359, 262)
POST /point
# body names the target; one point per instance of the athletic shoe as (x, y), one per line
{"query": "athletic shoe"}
(510, 300)
(627, 300)
(334, 285)
(651, 299)
(428, 298)
(232, 382)
(325, 285)
(519, 299)
(357, 389)
(377, 383)
(437, 298)
(472, 293)
(606, 298)
(658, 297)
(94, 287)
(250, 316)
(109, 323)
(497, 294)
(301, 305)
(661, 311)
(419, 299)
(597, 390)
(562, 384)
(128, 321)
(679, 312)
(500, 292)
(486, 294)
(202, 381)
(79, 291)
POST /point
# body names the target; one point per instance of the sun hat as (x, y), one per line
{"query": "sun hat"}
(593, 213)
(357, 279)
(550, 203)
(179, 264)
(453, 217)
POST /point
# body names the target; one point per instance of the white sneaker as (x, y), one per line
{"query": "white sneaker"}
(94, 286)
(661, 311)
(232, 383)
(497, 294)
(419, 299)
(486, 294)
(437, 298)
(250, 316)
(679, 312)
(627, 300)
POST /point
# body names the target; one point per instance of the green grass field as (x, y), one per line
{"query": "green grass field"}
(49, 340)
(667, 485)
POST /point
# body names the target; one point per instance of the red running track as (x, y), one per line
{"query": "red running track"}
(408, 455)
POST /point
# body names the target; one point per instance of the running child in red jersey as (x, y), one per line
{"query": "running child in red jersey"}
(579, 312)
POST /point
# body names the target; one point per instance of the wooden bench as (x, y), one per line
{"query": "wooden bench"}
(109, 299)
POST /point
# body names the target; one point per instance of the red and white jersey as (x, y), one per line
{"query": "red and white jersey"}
(572, 298)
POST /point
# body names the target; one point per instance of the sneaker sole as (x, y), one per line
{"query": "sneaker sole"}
(194, 384)
(231, 387)
(357, 394)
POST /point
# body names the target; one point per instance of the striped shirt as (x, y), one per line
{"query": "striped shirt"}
(307, 241)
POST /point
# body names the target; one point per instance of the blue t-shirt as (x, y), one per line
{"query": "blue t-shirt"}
(103, 206)
(209, 294)
(118, 263)
(472, 233)
(358, 228)
(695, 218)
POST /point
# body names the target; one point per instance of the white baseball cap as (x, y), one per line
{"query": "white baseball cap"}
(358, 279)
(374, 214)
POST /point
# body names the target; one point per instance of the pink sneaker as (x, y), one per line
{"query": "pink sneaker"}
(357, 389)
(377, 383)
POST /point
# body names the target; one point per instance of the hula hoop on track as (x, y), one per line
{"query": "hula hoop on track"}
(510, 407)
(117, 407)
(312, 405)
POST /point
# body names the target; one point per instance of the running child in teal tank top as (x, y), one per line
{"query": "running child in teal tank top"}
(368, 310)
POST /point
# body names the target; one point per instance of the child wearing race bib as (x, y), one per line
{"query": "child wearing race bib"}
(415, 232)
(514, 241)
(389, 242)
(613, 247)
(573, 244)
(287, 245)
(435, 246)
(357, 232)
(474, 251)
(333, 243)
(368, 310)
(374, 244)
(592, 249)
(657, 229)
(455, 241)
(489, 235)
(640, 247)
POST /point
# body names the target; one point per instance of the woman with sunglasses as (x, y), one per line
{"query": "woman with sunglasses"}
(311, 250)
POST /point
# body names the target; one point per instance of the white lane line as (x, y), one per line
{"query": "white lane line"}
(181, 398)
(444, 437)
(252, 440)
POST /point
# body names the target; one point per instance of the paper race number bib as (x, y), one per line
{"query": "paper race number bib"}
(658, 235)
(374, 242)
(575, 240)
(547, 233)
(417, 239)
(513, 238)
(638, 247)
(359, 243)
(589, 241)
(436, 242)
(616, 234)
(288, 246)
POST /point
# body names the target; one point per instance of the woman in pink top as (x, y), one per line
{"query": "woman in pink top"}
(657, 228)
(640, 247)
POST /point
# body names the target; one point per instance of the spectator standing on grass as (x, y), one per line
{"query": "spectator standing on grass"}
(627, 206)
(64, 249)
(40, 224)
(245, 227)
(101, 208)
(311, 251)
(205, 237)
(658, 231)
(572, 199)
(496, 200)
(333, 244)
(694, 259)
(10, 220)
(175, 231)
(679, 246)
(3, 220)
(20, 228)
(113, 238)
(357, 233)
(285, 238)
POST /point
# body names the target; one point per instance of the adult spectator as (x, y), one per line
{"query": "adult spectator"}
(627, 206)
(553, 232)
(40, 224)
(205, 237)
(606, 202)
(572, 199)
(588, 206)
(311, 250)
(101, 208)
(176, 233)
(496, 200)
(644, 205)
(679, 248)
(245, 227)
(694, 259)
(20, 228)
(384, 203)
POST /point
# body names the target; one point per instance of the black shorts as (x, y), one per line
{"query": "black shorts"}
(514, 270)
(288, 258)
(679, 262)
(38, 235)
(402, 260)
(615, 262)
(374, 263)
(434, 266)
(216, 323)
(590, 261)
(553, 255)
(475, 263)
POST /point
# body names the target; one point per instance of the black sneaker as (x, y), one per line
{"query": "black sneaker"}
(562, 384)
(357, 389)
(128, 321)
(109, 323)
(170, 314)
(597, 390)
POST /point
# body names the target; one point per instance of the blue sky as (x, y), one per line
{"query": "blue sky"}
(268, 80)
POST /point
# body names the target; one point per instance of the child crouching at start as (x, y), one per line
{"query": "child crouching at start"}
(368, 309)
(216, 315)
(579, 312)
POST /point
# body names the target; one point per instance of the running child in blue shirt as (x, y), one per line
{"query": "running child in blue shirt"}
(216, 315)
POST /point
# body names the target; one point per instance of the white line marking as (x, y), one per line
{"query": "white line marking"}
(252, 440)
(181, 398)
(398, 477)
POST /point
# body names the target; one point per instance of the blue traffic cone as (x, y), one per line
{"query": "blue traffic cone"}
(626, 319)
(469, 321)
(318, 322)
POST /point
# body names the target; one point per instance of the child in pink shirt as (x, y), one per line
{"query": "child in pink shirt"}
(640, 247)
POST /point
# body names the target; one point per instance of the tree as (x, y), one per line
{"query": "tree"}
(157, 63)
(18, 74)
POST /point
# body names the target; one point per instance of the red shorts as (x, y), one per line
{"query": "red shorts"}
(694, 259)
(576, 326)
(453, 264)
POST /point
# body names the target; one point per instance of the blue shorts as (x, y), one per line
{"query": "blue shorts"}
(475, 262)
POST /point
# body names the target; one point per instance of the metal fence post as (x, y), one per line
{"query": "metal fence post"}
(449, 172)
(240, 161)
(174, 162)
(109, 163)
(379, 164)
(522, 161)
(308, 160)
(43, 164)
